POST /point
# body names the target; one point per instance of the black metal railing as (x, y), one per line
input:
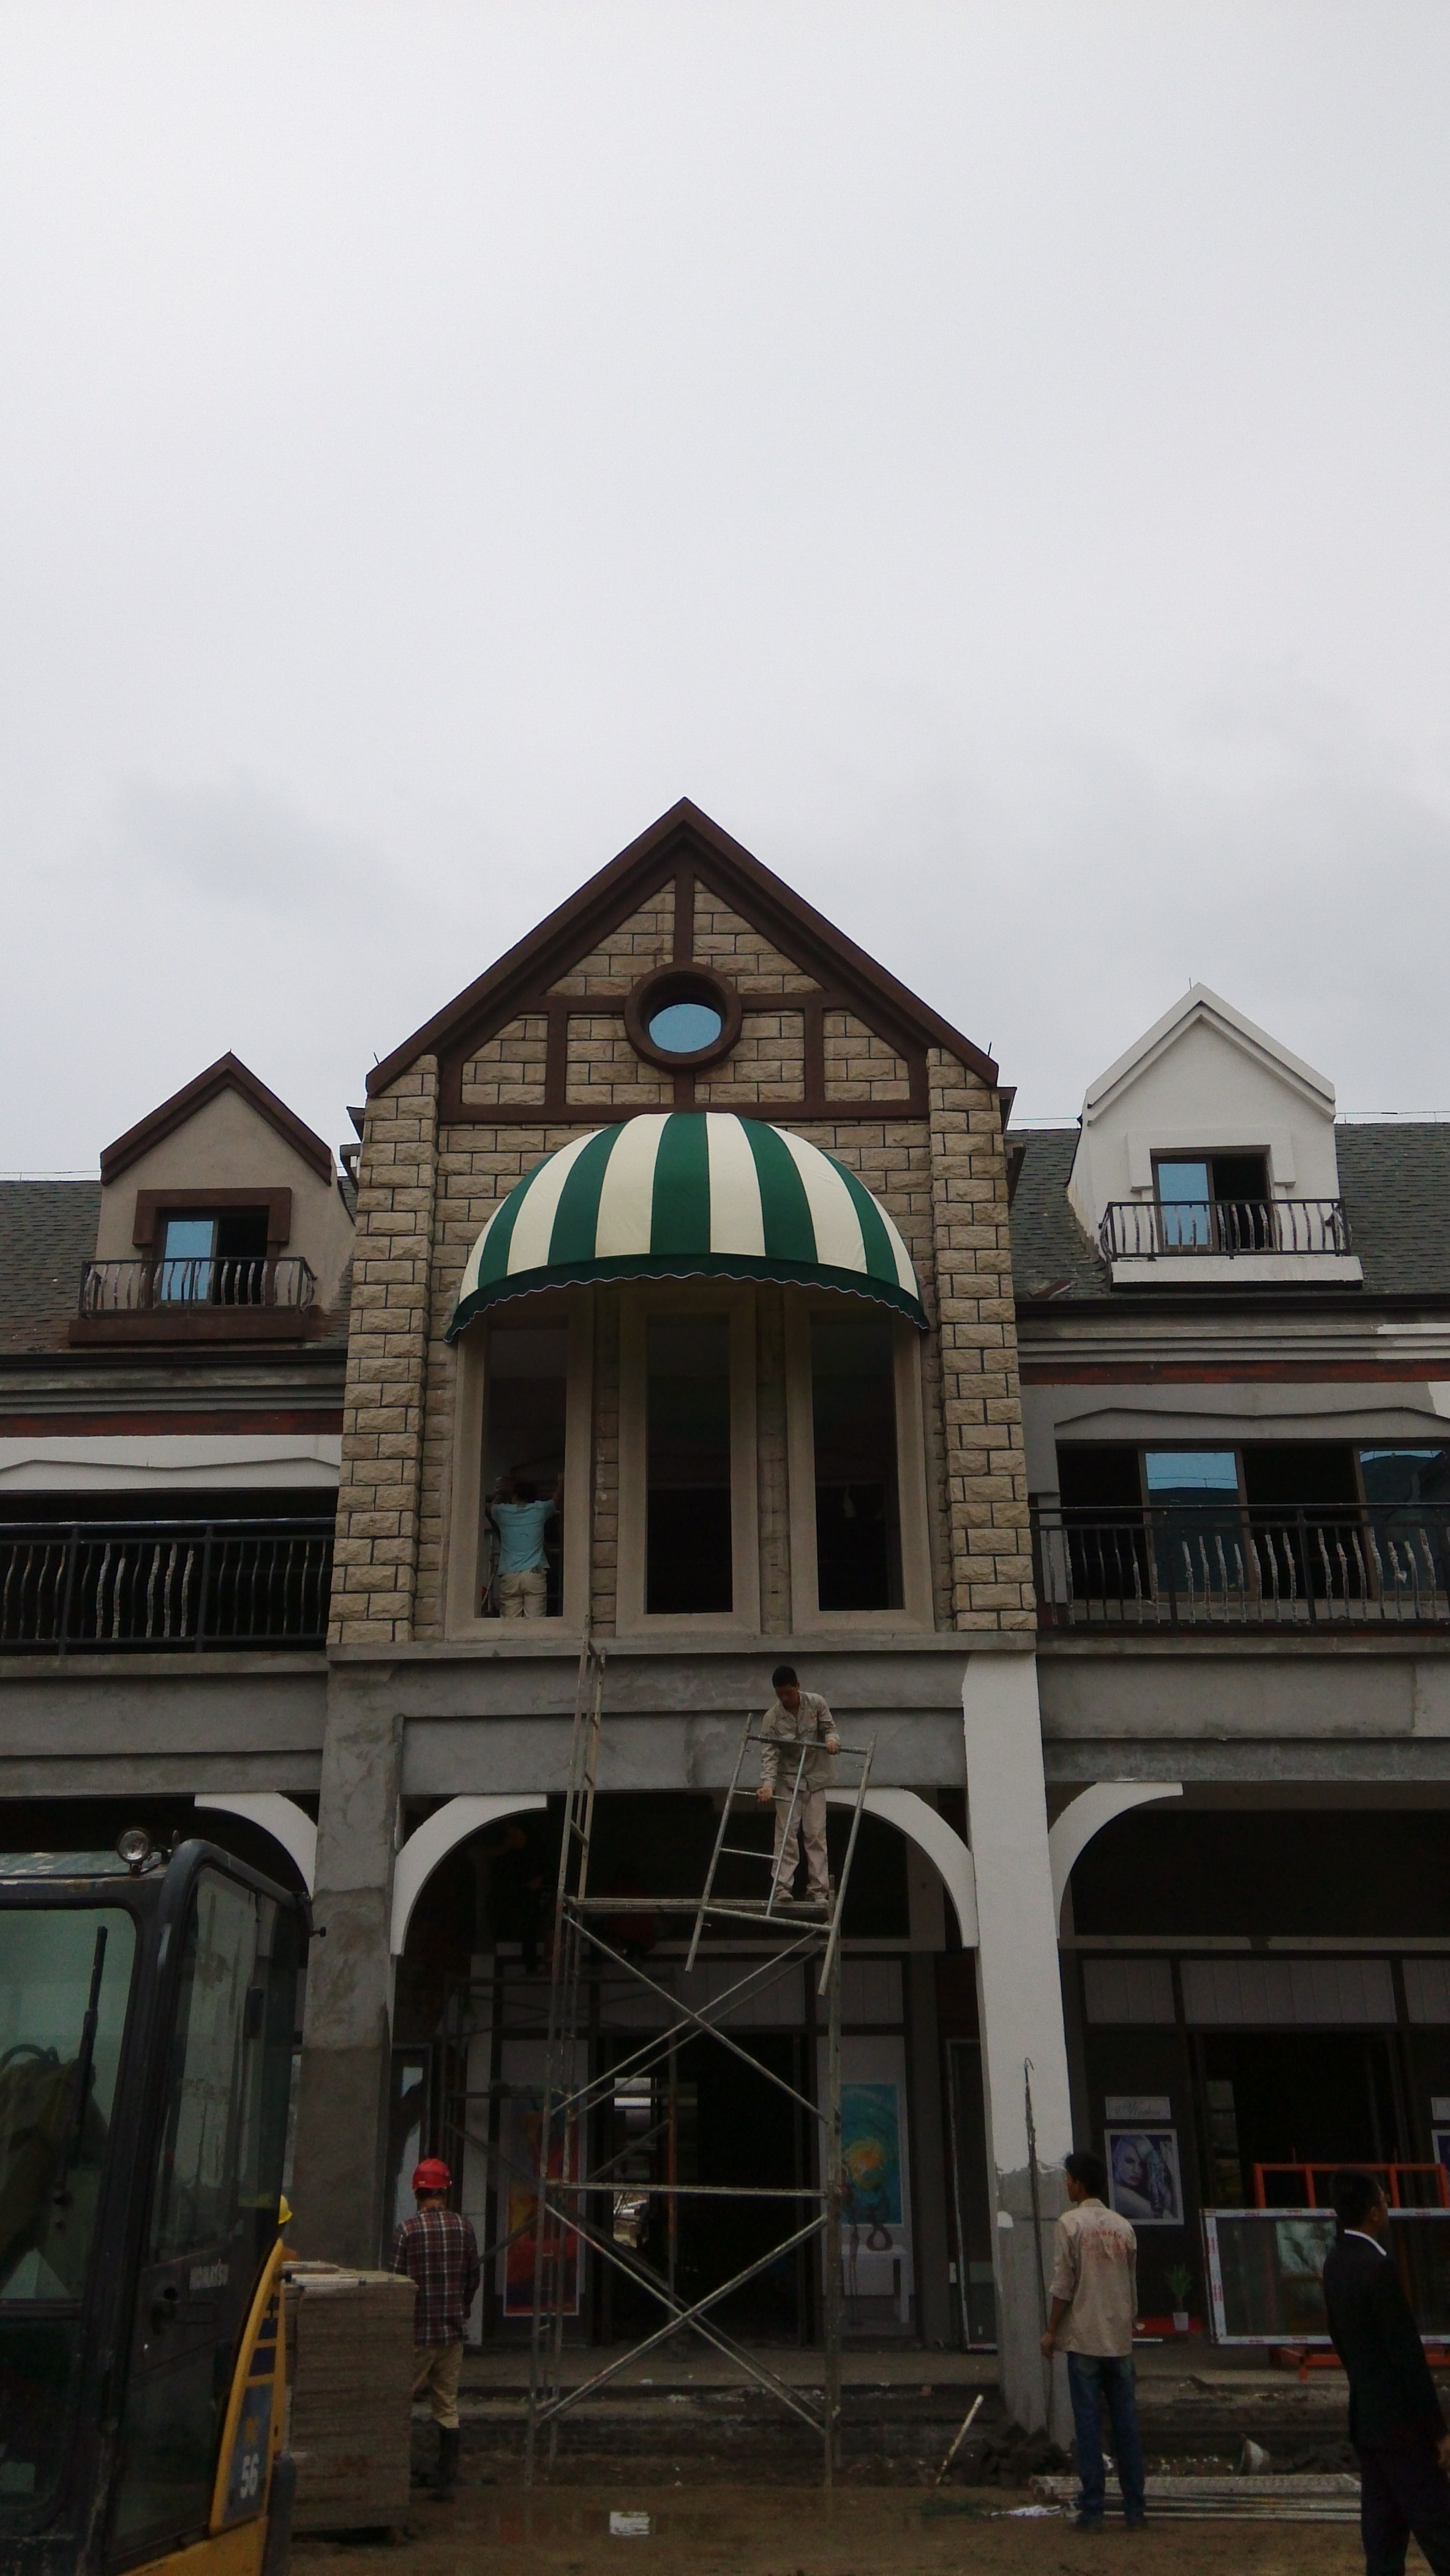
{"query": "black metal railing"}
(108, 1587)
(1180, 1229)
(201, 1279)
(1203, 1565)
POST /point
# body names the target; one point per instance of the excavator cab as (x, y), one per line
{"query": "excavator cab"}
(147, 2014)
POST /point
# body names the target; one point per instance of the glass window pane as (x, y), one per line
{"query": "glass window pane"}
(1186, 1205)
(681, 1027)
(57, 1966)
(184, 1271)
(688, 1534)
(526, 1407)
(1405, 1476)
(1188, 1475)
(214, 2197)
(65, 1978)
(853, 1409)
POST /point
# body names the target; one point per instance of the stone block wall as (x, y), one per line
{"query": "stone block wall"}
(634, 949)
(425, 1196)
(509, 1069)
(981, 1407)
(378, 1506)
(859, 1065)
(734, 948)
(767, 1063)
(603, 1075)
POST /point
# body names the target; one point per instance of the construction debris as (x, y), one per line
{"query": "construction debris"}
(1241, 2498)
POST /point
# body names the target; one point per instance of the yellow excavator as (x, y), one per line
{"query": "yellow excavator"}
(148, 2006)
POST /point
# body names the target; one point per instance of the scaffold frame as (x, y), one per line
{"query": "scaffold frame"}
(564, 2185)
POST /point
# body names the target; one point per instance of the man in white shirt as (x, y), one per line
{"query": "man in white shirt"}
(1094, 2304)
(795, 1720)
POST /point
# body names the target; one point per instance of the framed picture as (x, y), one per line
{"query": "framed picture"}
(1145, 2185)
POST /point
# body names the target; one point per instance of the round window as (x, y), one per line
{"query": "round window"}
(682, 1028)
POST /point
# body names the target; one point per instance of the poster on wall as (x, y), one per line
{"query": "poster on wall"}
(871, 2161)
(519, 2131)
(1145, 2185)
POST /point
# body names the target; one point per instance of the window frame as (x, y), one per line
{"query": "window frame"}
(641, 1305)
(917, 1610)
(463, 1620)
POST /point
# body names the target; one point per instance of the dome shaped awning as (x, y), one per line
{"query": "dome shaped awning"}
(687, 1195)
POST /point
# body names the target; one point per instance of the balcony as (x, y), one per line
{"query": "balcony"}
(149, 1587)
(1208, 1566)
(1244, 1240)
(208, 1298)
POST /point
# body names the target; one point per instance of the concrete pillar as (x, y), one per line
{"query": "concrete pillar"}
(1020, 1999)
(338, 2168)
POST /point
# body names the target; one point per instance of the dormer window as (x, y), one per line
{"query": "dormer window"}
(1214, 1202)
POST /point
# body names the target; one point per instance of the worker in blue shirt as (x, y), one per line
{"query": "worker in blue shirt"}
(521, 1519)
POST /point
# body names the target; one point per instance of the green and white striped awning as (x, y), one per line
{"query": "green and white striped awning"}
(693, 1194)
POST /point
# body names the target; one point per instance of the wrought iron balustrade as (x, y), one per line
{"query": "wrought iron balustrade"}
(198, 1280)
(1182, 1229)
(1225, 1565)
(106, 1587)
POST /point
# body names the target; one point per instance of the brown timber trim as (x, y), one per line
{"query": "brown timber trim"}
(150, 1204)
(683, 839)
(684, 916)
(151, 1327)
(227, 1074)
(557, 1109)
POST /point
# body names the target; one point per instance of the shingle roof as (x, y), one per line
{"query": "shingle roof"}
(1394, 1180)
(1051, 1255)
(47, 1230)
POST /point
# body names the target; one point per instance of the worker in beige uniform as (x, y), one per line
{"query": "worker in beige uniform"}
(798, 1719)
(1094, 2305)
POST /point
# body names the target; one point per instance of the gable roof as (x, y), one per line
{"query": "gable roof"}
(1200, 1002)
(227, 1074)
(681, 837)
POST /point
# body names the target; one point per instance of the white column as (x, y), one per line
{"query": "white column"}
(1019, 1995)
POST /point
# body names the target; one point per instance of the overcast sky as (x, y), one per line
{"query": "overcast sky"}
(993, 457)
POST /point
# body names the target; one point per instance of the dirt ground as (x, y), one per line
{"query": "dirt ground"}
(739, 2531)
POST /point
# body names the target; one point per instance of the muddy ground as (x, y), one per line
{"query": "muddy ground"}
(865, 2531)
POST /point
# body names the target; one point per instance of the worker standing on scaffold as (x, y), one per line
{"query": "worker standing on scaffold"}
(795, 1718)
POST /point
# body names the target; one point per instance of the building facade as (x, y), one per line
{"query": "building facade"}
(1093, 1476)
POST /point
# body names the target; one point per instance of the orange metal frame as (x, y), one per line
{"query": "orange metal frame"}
(1388, 2174)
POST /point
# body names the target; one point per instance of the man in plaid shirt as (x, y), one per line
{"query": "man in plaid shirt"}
(439, 2252)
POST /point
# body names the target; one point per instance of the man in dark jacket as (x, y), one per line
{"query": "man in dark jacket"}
(1395, 2421)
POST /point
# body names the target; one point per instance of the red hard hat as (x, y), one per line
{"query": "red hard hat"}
(431, 2175)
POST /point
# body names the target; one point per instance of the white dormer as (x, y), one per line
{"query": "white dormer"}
(1207, 1154)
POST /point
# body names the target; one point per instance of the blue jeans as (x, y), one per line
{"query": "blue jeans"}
(1094, 2380)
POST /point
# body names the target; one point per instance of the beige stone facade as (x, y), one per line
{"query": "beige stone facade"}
(426, 1192)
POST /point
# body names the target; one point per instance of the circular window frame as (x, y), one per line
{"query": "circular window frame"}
(670, 984)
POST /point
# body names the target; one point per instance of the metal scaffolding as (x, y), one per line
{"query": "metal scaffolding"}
(574, 2186)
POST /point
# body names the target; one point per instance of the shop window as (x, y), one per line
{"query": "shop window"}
(858, 1522)
(525, 1414)
(688, 1531)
